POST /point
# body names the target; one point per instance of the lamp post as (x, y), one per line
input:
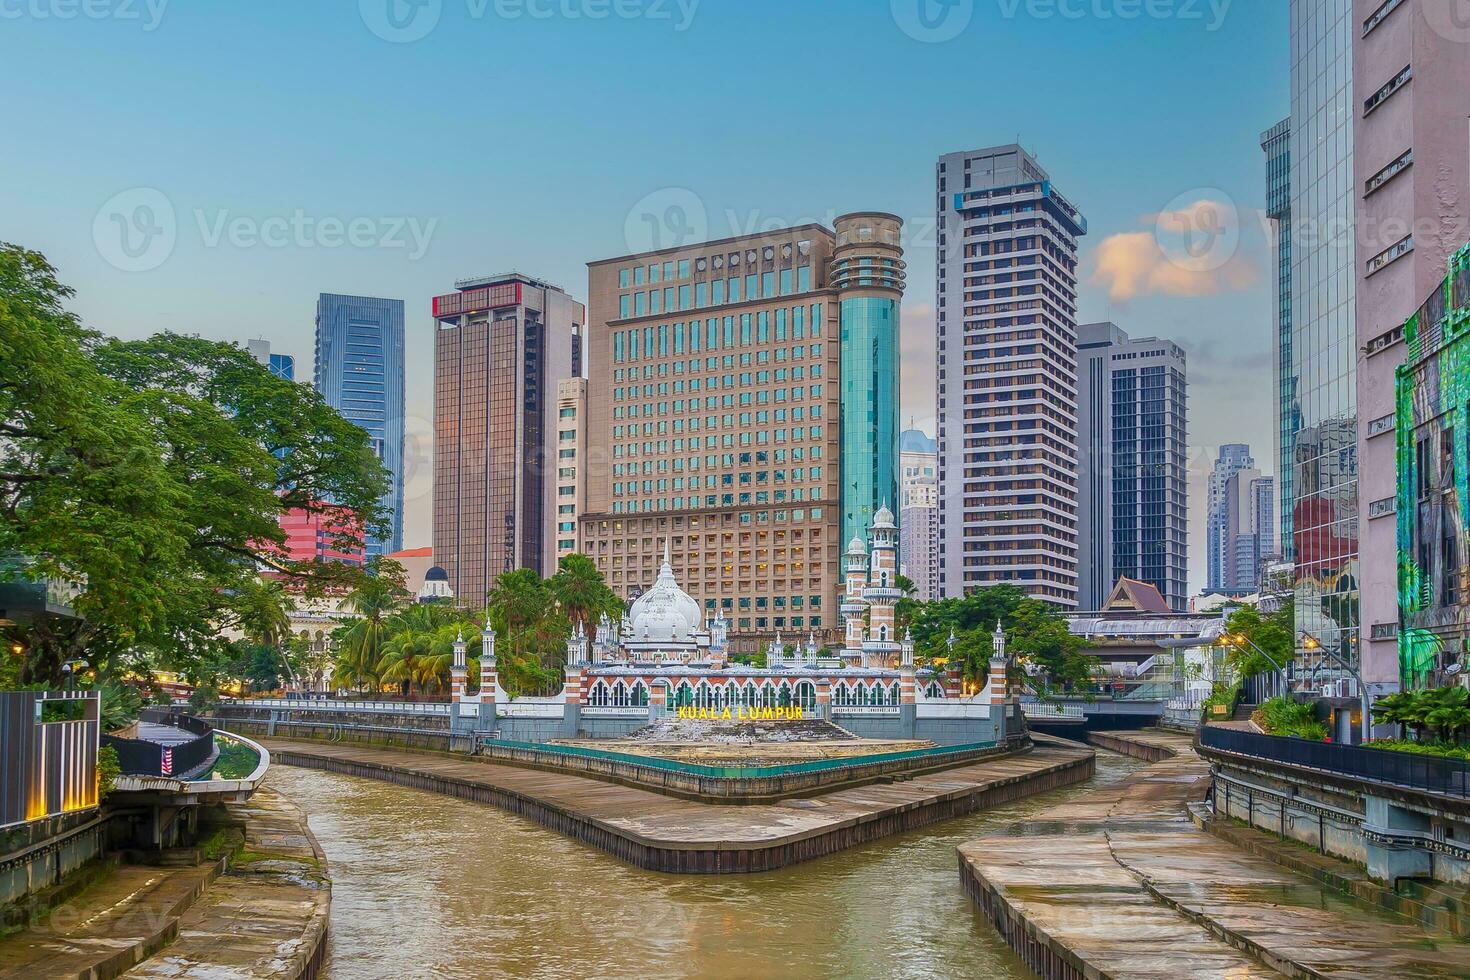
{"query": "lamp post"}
(1240, 640)
(1311, 643)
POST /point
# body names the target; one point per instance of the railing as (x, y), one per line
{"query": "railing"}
(1052, 711)
(380, 707)
(140, 757)
(937, 753)
(868, 710)
(1427, 773)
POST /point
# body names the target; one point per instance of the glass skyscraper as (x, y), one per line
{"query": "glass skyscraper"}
(359, 371)
(868, 269)
(1276, 142)
(1324, 502)
(1133, 488)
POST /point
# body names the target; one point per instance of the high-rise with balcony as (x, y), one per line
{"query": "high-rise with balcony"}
(359, 372)
(1411, 202)
(503, 345)
(746, 391)
(1006, 315)
(1133, 498)
(918, 513)
(1219, 555)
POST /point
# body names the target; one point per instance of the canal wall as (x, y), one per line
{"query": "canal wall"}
(1398, 833)
(654, 832)
(40, 862)
(1136, 745)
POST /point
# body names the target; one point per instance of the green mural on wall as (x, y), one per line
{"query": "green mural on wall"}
(1432, 417)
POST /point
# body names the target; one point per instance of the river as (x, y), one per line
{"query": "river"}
(429, 886)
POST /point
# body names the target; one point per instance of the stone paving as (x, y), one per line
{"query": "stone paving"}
(672, 823)
(265, 917)
(1120, 883)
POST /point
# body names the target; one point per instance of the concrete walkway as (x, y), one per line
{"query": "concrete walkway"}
(264, 917)
(665, 833)
(1122, 884)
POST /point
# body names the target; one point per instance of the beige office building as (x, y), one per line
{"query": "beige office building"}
(716, 402)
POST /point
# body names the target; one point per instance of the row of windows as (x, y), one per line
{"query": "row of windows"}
(715, 333)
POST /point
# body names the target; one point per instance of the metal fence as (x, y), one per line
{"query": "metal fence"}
(1429, 773)
(47, 767)
(141, 757)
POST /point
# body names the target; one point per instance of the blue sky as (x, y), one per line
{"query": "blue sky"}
(293, 151)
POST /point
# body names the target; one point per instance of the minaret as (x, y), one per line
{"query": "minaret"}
(487, 676)
(853, 608)
(882, 593)
(458, 674)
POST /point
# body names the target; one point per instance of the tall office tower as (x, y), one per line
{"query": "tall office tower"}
(1133, 488)
(918, 512)
(1218, 547)
(1324, 480)
(747, 390)
(572, 463)
(868, 274)
(281, 365)
(1411, 193)
(1006, 373)
(1276, 143)
(503, 346)
(1250, 532)
(359, 372)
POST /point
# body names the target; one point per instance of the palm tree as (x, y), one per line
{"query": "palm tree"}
(532, 628)
(1396, 709)
(582, 594)
(418, 645)
(263, 615)
(361, 641)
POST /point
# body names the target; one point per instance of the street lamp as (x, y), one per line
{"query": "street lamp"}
(1311, 643)
(1240, 640)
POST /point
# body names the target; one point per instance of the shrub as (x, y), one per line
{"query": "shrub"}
(108, 769)
(1283, 716)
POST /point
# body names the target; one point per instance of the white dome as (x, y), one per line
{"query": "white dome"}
(665, 612)
(884, 517)
(856, 546)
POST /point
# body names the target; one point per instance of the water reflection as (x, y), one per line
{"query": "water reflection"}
(429, 886)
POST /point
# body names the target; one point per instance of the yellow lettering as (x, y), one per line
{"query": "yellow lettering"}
(726, 715)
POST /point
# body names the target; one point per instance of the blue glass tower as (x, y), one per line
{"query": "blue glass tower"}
(359, 371)
(1276, 142)
(868, 273)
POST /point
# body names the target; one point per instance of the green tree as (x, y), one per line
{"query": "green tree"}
(1247, 629)
(359, 641)
(582, 594)
(532, 631)
(152, 475)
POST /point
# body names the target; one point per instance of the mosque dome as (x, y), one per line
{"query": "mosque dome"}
(884, 517)
(856, 546)
(665, 612)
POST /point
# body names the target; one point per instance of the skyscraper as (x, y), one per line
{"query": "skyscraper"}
(1133, 489)
(1411, 169)
(918, 513)
(1249, 534)
(359, 372)
(1276, 142)
(502, 347)
(1219, 547)
(1006, 375)
(1324, 481)
(281, 365)
(747, 392)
